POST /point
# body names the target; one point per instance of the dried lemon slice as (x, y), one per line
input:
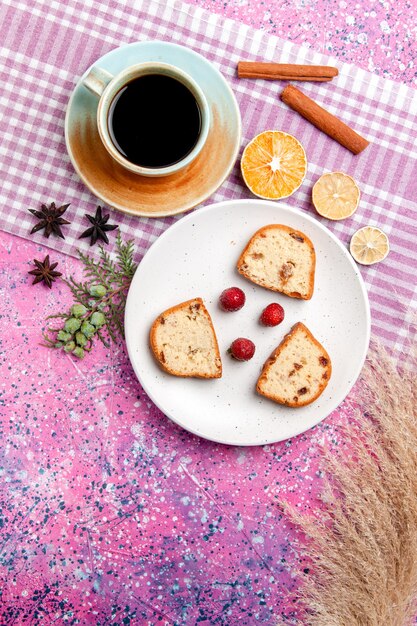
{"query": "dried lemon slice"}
(273, 165)
(336, 196)
(369, 245)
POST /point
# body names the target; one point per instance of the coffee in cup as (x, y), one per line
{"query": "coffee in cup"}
(152, 118)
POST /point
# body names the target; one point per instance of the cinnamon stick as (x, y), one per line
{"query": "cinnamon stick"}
(323, 120)
(285, 71)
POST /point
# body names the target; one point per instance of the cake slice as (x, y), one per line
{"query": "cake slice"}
(184, 342)
(282, 259)
(298, 370)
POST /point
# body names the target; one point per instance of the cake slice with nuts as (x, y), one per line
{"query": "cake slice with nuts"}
(184, 342)
(282, 259)
(298, 371)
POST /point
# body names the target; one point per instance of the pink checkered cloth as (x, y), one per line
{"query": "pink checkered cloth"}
(45, 49)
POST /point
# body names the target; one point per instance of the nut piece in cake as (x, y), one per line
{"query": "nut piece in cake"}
(298, 371)
(282, 259)
(184, 342)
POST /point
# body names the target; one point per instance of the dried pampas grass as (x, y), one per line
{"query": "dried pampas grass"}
(362, 542)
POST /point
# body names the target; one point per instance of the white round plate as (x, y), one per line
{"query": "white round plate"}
(197, 257)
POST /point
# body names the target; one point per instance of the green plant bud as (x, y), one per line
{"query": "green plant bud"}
(101, 306)
(63, 336)
(58, 344)
(69, 347)
(87, 329)
(78, 310)
(72, 325)
(98, 291)
(92, 303)
(81, 339)
(97, 319)
(79, 352)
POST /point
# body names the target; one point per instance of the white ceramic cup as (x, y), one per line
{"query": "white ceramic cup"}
(106, 87)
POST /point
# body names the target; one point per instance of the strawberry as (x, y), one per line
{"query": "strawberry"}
(242, 349)
(232, 299)
(272, 315)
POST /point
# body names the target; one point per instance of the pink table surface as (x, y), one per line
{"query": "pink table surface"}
(110, 513)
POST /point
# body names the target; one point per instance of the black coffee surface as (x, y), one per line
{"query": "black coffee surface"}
(154, 121)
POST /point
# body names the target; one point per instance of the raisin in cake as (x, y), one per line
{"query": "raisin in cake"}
(282, 259)
(298, 370)
(184, 342)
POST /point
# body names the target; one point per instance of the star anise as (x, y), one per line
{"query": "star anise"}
(50, 218)
(99, 227)
(45, 272)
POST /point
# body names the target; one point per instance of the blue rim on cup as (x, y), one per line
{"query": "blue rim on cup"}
(106, 86)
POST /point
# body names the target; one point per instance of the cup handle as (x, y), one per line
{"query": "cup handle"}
(97, 80)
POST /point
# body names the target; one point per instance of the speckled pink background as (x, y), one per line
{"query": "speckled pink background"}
(110, 519)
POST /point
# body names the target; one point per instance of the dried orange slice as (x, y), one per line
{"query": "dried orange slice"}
(273, 165)
(369, 245)
(336, 196)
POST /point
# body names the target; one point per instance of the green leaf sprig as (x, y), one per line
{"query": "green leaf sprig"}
(99, 302)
